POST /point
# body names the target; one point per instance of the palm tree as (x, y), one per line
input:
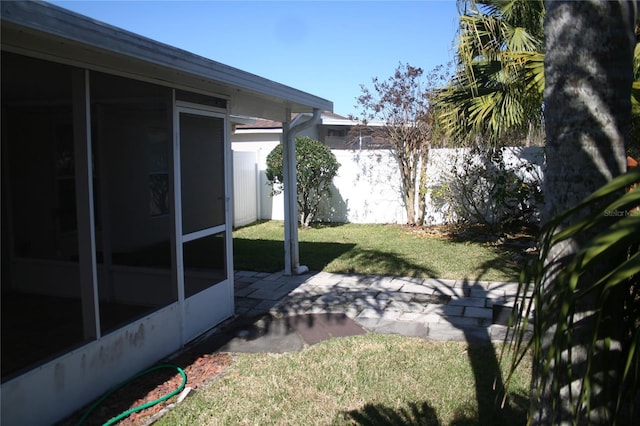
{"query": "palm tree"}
(496, 94)
(497, 89)
(585, 282)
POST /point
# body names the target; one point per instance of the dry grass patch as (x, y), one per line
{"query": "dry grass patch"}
(358, 380)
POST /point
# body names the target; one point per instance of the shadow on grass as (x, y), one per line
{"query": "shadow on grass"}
(502, 265)
(268, 256)
(476, 331)
(488, 373)
(423, 414)
(379, 415)
(515, 246)
(495, 404)
(258, 255)
(322, 225)
(509, 263)
(382, 263)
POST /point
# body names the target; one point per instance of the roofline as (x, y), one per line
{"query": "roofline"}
(44, 18)
(332, 121)
(257, 130)
(347, 122)
(256, 126)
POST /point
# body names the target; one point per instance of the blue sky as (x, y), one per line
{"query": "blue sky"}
(326, 48)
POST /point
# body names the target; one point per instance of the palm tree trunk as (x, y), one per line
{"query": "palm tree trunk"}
(588, 72)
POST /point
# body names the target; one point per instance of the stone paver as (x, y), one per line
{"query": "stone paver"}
(430, 308)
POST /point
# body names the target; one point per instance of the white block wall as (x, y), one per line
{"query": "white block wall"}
(367, 187)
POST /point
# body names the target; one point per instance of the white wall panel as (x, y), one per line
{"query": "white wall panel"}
(245, 188)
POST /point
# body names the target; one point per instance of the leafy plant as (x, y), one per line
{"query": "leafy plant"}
(496, 93)
(316, 168)
(606, 270)
(485, 189)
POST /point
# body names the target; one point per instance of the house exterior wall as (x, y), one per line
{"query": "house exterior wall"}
(47, 394)
(55, 232)
(127, 129)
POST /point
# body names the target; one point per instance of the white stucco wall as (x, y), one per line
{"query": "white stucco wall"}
(366, 189)
(367, 186)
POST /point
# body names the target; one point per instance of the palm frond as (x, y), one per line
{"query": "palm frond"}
(520, 40)
(606, 268)
(499, 46)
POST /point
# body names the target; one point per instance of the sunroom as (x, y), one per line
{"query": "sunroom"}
(116, 202)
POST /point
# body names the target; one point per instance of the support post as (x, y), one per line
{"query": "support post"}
(291, 252)
(291, 246)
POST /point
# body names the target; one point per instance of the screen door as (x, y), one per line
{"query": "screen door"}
(203, 252)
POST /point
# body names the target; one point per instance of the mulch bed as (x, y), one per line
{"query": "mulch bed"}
(199, 368)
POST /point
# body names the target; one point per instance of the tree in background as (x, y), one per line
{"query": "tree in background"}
(403, 104)
(316, 167)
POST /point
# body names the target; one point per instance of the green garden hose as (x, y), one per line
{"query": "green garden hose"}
(140, 407)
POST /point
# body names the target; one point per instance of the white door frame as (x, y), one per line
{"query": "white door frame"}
(209, 307)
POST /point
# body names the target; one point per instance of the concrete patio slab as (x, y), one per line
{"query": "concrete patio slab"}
(278, 313)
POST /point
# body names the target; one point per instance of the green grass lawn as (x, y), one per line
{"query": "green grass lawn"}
(367, 380)
(373, 249)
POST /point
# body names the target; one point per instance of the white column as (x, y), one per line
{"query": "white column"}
(291, 253)
(291, 248)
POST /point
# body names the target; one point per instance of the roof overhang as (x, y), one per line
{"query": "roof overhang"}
(42, 30)
(351, 123)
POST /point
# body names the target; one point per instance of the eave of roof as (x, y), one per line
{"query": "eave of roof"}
(49, 30)
(328, 119)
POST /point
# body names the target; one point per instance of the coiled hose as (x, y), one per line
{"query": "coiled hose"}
(140, 407)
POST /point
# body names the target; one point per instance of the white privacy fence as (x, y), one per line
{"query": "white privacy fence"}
(246, 190)
(367, 187)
